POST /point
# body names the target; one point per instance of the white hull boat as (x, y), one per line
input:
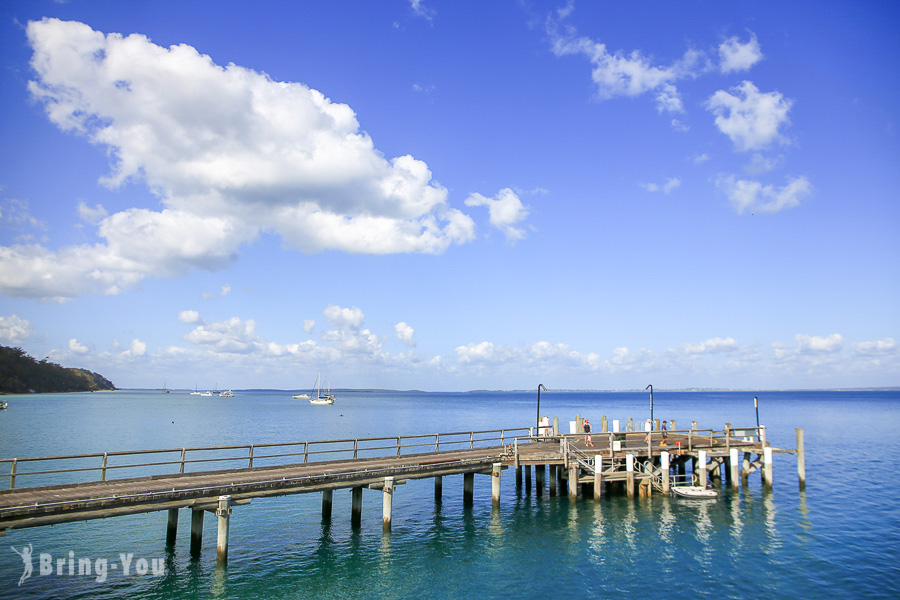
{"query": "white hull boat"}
(693, 491)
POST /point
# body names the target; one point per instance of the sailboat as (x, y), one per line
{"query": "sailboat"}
(323, 396)
(165, 389)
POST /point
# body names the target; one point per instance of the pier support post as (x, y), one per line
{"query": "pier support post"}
(386, 504)
(224, 514)
(553, 478)
(598, 477)
(527, 478)
(702, 469)
(539, 479)
(172, 527)
(496, 471)
(468, 488)
(196, 531)
(573, 480)
(604, 424)
(629, 470)
(327, 500)
(356, 506)
(664, 465)
(801, 460)
(767, 467)
(518, 477)
(735, 461)
(555, 425)
(438, 487)
(745, 469)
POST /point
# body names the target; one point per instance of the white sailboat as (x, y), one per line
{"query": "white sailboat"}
(323, 392)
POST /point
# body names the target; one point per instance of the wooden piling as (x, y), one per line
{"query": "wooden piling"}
(224, 514)
(196, 531)
(172, 527)
(539, 479)
(327, 500)
(555, 425)
(801, 460)
(735, 462)
(495, 484)
(387, 503)
(702, 469)
(553, 477)
(604, 425)
(664, 465)
(527, 478)
(468, 488)
(356, 495)
(438, 488)
(598, 477)
(767, 467)
(629, 468)
(573, 480)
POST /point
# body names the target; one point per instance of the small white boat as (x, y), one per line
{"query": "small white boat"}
(300, 396)
(2, 404)
(206, 393)
(693, 491)
(227, 394)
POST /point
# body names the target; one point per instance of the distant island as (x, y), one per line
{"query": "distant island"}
(22, 374)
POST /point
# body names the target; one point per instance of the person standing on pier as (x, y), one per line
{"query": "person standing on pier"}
(587, 433)
(665, 434)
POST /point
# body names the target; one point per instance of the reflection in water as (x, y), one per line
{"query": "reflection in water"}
(666, 525)
(598, 530)
(769, 510)
(805, 523)
(219, 586)
(737, 527)
(629, 524)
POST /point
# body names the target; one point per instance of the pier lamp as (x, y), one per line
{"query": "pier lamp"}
(650, 387)
(538, 420)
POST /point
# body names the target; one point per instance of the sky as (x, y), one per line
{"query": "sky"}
(453, 195)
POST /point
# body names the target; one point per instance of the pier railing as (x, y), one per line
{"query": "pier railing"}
(71, 468)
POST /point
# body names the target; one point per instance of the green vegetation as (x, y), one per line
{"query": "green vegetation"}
(21, 374)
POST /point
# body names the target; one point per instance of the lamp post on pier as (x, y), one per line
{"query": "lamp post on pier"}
(538, 419)
(650, 387)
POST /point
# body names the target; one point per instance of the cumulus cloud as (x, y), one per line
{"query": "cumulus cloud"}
(405, 333)
(817, 344)
(879, 347)
(737, 56)
(670, 184)
(92, 216)
(138, 348)
(506, 211)
(711, 346)
(15, 330)
(753, 196)
(229, 152)
(189, 316)
(77, 347)
(231, 336)
(750, 118)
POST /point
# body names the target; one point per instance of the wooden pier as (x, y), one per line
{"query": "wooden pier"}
(217, 479)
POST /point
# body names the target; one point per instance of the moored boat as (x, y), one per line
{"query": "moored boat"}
(693, 491)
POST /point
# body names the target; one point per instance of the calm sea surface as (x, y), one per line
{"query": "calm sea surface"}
(840, 538)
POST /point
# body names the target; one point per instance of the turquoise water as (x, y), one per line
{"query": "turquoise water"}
(840, 538)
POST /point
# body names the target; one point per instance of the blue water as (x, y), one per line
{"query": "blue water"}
(840, 538)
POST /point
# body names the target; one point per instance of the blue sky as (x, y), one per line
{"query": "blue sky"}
(453, 195)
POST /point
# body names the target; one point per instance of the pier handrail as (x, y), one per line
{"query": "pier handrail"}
(309, 450)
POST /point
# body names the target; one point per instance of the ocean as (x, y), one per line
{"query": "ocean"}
(838, 538)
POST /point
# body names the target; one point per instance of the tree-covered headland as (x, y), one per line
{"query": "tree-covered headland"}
(22, 374)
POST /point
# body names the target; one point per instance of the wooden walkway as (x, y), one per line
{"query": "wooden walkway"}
(373, 463)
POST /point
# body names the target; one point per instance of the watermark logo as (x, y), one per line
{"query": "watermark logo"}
(99, 569)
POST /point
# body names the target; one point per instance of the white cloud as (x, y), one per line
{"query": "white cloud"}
(420, 10)
(344, 317)
(711, 346)
(879, 347)
(230, 336)
(819, 344)
(230, 153)
(138, 348)
(92, 216)
(753, 196)
(308, 325)
(699, 159)
(78, 348)
(737, 56)
(189, 316)
(506, 211)
(620, 74)
(405, 333)
(670, 184)
(750, 118)
(15, 330)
